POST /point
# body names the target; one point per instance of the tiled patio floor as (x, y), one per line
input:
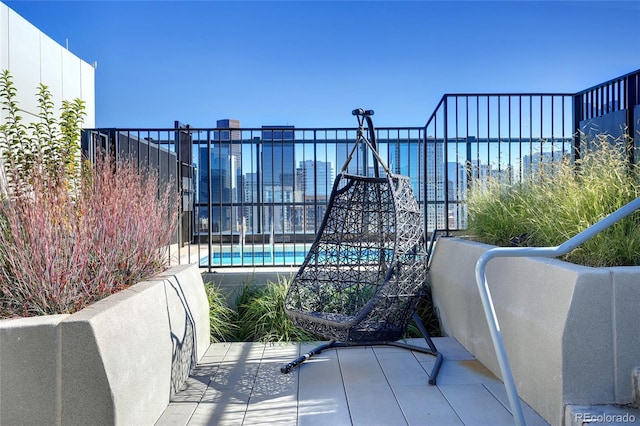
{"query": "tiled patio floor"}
(241, 384)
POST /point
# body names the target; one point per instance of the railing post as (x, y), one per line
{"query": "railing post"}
(631, 88)
(445, 171)
(577, 117)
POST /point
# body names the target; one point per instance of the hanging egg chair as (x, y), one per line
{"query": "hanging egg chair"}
(365, 273)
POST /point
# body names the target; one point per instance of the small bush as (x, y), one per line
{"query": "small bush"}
(561, 200)
(262, 318)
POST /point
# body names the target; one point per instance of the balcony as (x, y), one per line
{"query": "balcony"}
(254, 198)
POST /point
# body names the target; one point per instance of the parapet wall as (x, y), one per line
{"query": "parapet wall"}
(570, 331)
(116, 362)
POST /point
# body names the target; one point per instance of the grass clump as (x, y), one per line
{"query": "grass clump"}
(222, 324)
(59, 253)
(560, 200)
(261, 315)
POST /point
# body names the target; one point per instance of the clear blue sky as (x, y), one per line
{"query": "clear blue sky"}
(310, 63)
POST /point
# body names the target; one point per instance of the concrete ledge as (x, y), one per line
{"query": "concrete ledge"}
(232, 280)
(115, 362)
(29, 377)
(570, 331)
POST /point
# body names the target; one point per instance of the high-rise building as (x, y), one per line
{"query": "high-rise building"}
(219, 180)
(315, 178)
(278, 156)
(278, 177)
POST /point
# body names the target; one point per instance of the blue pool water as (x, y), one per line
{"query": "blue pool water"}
(255, 258)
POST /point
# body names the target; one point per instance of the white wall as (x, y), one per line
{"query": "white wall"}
(32, 58)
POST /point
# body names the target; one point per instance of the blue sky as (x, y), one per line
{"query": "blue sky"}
(310, 63)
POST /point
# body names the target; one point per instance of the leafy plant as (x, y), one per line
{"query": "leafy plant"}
(261, 315)
(562, 199)
(47, 143)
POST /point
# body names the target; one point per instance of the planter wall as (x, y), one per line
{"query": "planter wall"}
(116, 362)
(571, 332)
(231, 281)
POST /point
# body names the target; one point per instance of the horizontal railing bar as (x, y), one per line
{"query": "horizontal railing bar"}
(609, 82)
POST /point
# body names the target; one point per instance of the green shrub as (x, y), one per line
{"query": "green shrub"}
(48, 146)
(261, 315)
(559, 201)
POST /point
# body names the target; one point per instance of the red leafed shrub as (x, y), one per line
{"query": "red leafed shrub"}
(61, 251)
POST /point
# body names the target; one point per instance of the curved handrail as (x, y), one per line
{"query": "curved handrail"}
(487, 302)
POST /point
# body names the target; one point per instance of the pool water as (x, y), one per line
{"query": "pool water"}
(255, 258)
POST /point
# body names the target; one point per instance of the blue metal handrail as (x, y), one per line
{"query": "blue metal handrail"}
(487, 302)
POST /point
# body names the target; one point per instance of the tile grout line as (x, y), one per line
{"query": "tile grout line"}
(445, 396)
(386, 378)
(344, 387)
(253, 383)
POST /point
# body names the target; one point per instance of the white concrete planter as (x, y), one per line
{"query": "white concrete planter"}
(116, 362)
(571, 332)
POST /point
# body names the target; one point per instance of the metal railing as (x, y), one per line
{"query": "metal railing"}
(499, 135)
(256, 196)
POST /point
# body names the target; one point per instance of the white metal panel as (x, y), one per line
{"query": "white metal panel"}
(4, 44)
(71, 87)
(24, 61)
(51, 67)
(4, 37)
(88, 93)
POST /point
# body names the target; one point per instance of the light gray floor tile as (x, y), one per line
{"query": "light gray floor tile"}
(403, 369)
(530, 416)
(177, 414)
(214, 414)
(323, 406)
(281, 410)
(451, 349)
(271, 384)
(374, 404)
(425, 405)
(475, 405)
(321, 396)
(360, 366)
(463, 372)
(216, 352)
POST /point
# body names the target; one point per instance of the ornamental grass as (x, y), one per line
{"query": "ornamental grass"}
(561, 199)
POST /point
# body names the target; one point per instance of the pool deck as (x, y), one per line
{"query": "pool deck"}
(240, 383)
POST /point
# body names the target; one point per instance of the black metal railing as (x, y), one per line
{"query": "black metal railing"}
(256, 196)
(480, 135)
(612, 107)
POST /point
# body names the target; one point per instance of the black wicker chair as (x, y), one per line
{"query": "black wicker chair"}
(364, 275)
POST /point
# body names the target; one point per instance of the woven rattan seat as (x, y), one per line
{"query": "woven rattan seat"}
(364, 275)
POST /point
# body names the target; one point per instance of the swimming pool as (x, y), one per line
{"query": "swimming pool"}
(255, 258)
(280, 257)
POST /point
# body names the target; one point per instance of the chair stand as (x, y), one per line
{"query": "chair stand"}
(336, 344)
